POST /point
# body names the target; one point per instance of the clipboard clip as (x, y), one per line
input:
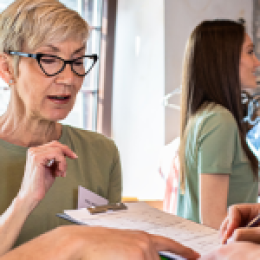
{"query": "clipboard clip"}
(107, 207)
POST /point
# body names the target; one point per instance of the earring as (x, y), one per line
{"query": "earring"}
(10, 81)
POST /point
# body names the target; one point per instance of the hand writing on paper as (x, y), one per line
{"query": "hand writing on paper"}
(234, 228)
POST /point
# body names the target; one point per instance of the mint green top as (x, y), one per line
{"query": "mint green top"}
(213, 146)
(97, 168)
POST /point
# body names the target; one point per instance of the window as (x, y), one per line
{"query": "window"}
(84, 113)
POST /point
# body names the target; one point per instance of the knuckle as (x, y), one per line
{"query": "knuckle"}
(231, 208)
(138, 253)
(31, 152)
(144, 241)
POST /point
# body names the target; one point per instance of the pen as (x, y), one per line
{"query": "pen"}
(166, 257)
(163, 257)
(254, 222)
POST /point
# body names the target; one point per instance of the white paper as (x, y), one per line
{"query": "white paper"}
(141, 216)
(87, 198)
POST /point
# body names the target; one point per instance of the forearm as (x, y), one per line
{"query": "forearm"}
(11, 222)
(56, 244)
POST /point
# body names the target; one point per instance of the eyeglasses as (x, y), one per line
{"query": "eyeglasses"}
(52, 65)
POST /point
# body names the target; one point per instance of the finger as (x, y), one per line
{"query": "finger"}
(223, 228)
(59, 165)
(43, 157)
(64, 148)
(166, 244)
(233, 221)
(247, 234)
(145, 246)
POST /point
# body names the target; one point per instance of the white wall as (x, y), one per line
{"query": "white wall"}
(138, 115)
(150, 41)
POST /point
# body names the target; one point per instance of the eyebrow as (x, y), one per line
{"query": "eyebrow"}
(56, 49)
(251, 45)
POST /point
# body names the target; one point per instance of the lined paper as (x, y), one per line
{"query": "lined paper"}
(141, 216)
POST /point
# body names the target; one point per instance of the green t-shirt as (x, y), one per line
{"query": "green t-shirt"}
(97, 169)
(213, 146)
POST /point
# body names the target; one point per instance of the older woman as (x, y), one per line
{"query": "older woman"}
(42, 58)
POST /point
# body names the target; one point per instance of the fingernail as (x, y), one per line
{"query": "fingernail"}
(230, 240)
(75, 156)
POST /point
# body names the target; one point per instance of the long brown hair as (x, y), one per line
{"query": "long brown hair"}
(211, 75)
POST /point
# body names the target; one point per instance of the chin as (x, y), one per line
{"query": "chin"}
(57, 117)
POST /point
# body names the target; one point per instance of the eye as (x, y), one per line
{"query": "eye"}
(251, 52)
(48, 60)
(78, 62)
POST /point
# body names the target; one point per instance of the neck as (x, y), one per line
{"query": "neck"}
(23, 130)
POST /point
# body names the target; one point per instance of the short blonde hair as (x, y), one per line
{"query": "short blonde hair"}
(29, 24)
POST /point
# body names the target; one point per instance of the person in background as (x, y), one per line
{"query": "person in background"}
(43, 59)
(217, 168)
(70, 242)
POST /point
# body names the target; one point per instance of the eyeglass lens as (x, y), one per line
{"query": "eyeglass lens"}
(52, 65)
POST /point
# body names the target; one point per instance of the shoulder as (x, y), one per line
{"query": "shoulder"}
(217, 114)
(213, 117)
(212, 122)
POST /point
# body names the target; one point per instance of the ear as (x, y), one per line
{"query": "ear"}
(6, 68)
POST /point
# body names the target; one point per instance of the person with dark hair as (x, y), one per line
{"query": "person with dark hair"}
(217, 168)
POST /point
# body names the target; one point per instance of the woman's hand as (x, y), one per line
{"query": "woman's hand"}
(234, 251)
(234, 225)
(79, 242)
(38, 176)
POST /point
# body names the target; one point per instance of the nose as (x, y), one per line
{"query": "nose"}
(257, 62)
(67, 75)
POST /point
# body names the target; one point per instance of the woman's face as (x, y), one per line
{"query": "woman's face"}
(49, 98)
(248, 64)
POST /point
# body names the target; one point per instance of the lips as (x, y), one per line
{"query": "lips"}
(59, 97)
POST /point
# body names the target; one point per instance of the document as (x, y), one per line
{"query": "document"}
(141, 216)
(87, 198)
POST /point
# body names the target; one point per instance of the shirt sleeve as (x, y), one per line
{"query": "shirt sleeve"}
(115, 183)
(217, 144)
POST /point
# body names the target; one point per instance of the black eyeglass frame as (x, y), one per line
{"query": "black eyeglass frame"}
(38, 57)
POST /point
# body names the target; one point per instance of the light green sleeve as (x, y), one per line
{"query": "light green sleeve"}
(217, 144)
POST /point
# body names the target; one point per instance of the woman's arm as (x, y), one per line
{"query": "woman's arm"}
(213, 199)
(11, 223)
(87, 243)
(37, 180)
